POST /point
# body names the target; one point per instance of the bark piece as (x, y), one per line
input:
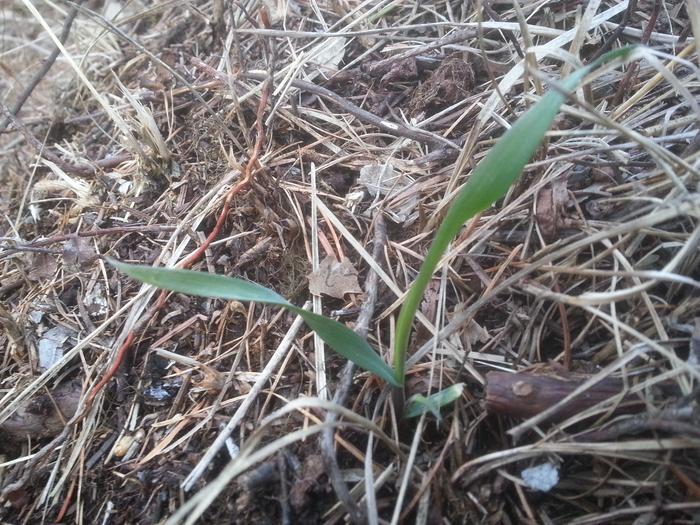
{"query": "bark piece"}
(39, 417)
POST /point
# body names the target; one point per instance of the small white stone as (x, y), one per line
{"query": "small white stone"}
(542, 477)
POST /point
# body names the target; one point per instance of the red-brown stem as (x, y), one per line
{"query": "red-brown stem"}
(634, 67)
(66, 502)
(109, 374)
(194, 256)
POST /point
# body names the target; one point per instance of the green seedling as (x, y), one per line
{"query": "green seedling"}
(339, 337)
(489, 182)
(418, 404)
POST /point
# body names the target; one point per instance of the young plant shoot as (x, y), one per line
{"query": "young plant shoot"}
(489, 182)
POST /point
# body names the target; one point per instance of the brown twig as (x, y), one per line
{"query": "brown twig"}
(566, 333)
(6, 288)
(343, 390)
(667, 421)
(634, 67)
(284, 493)
(99, 232)
(508, 34)
(82, 168)
(28, 249)
(38, 245)
(383, 66)
(527, 394)
(66, 502)
(118, 359)
(631, 7)
(40, 455)
(392, 128)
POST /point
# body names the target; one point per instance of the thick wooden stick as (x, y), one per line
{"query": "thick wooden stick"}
(526, 394)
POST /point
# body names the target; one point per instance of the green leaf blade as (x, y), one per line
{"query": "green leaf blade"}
(419, 404)
(201, 283)
(490, 181)
(348, 344)
(338, 336)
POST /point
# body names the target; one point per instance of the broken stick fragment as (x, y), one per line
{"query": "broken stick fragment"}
(526, 394)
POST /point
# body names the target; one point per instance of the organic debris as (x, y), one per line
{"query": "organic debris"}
(451, 82)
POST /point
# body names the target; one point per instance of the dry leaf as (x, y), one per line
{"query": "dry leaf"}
(474, 333)
(43, 266)
(552, 205)
(96, 300)
(334, 278)
(330, 55)
(77, 252)
(302, 490)
(381, 180)
(212, 381)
